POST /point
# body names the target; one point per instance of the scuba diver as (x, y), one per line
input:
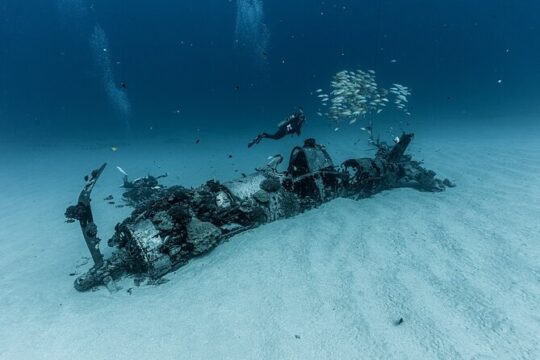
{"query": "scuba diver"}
(292, 125)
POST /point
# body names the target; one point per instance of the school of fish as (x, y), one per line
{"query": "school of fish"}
(355, 94)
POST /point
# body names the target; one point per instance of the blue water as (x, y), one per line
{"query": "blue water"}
(226, 64)
(181, 86)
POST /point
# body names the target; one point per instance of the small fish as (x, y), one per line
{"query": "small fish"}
(318, 90)
(274, 161)
(114, 149)
(123, 85)
(121, 171)
(379, 111)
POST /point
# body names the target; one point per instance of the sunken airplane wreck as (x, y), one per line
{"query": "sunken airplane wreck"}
(171, 225)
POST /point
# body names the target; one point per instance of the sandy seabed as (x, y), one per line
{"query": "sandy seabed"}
(460, 267)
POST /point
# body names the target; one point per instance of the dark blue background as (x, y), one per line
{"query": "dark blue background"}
(451, 53)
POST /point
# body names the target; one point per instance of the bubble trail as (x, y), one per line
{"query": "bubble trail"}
(117, 96)
(250, 27)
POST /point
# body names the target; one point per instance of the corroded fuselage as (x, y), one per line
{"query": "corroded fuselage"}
(171, 225)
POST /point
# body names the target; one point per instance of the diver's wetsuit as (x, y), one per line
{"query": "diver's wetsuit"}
(293, 125)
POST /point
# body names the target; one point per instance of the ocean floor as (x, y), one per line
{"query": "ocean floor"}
(460, 267)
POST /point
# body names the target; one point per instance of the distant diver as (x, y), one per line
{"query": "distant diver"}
(293, 125)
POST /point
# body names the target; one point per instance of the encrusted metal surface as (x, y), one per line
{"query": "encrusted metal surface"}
(317, 159)
(245, 187)
(149, 241)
